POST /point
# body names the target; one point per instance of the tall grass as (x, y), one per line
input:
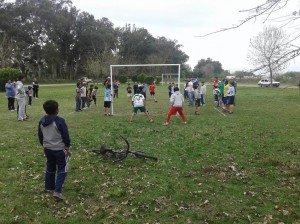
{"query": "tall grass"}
(239, 168)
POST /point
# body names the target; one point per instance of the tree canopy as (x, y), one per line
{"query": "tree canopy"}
(54, 39)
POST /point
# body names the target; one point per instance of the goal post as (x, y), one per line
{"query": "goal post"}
(139, 65)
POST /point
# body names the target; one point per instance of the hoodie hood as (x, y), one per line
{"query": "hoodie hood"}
(48, 119)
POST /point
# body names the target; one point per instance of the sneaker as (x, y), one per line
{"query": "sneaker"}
(165, 124)
(184, 122)
(49, 191)
(150, 120)
(58, 196)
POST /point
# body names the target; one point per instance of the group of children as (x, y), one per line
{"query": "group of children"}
(57, 144)
(84, 95)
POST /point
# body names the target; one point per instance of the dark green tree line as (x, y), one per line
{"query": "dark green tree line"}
(53, 39)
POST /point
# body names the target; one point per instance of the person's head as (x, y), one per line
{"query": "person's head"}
(231, 83)
(202, 83)
(176, 89)
(226, 82)
(9, 81)
(51, 107)
(29, 87)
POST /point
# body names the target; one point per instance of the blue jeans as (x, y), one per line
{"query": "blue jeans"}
(78, 103)
(191, 99)
(57, 165)
(203, 100)
(83, 100)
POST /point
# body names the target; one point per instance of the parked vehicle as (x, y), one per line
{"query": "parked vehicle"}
(267, 83)
(85, 79)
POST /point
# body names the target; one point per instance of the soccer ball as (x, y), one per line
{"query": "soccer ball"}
(155, 101)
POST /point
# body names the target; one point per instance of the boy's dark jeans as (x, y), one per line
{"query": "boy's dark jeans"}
(57, 163)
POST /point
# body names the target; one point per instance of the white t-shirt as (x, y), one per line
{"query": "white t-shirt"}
(190, 86)
(138, 100)
(83, 91)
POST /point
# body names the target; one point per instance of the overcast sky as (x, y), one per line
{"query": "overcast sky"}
(182, 20)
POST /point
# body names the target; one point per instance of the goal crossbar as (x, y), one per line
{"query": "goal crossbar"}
(139, 65)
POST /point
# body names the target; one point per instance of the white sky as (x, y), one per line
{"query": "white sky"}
(183, 20)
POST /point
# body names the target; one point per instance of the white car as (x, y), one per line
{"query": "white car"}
(267, 83)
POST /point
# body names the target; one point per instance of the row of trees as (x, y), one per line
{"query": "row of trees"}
(53, 39)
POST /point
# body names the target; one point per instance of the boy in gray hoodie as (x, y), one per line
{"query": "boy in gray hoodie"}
(54, 137)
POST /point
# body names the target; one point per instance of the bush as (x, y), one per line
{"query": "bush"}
(149, 80)
(157, 80)
(8, 74)
(122, 79)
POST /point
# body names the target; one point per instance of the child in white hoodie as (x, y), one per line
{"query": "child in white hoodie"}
(176, 100)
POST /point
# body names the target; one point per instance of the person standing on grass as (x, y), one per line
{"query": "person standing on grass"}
(135, 87)
(197, 96)
(139, 103)
(230, 98)
(129, 92)
(191, 93)
(152, 91)
(53, 135)
(225, 98)
(78, 97)
(116, 88)
(35, 88)
(83, 95)
(107, 100)
(89, 95)
(177, 104)
(203, 93)
(29, 94)
(221, 89)
(10, 94)
(20, 96)
(94, 95)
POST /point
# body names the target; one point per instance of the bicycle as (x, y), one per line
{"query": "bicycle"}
(119, 155)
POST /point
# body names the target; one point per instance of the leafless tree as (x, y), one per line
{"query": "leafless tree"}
(268, 49)
(268, 13)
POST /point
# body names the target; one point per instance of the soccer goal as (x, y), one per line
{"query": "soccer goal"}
(141, 65)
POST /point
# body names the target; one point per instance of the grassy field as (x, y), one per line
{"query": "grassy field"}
(239, 168)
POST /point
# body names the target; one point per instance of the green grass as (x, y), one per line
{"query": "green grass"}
(242, 168)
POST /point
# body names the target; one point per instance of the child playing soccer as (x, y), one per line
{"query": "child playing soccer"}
(54, 137)
(176, 100)
(138, 103)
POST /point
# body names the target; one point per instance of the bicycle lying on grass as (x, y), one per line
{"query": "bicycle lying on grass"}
(119, 155)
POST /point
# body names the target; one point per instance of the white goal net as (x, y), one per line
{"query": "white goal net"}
(117, 106)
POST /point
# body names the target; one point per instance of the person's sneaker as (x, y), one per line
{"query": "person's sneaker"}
(58, 196)
(49, 191)
(165, 124)
(184, 122)
(150, 120)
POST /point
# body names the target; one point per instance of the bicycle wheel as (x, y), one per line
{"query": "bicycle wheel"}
(143, 155)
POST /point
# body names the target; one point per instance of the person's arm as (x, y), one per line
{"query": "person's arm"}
(40, 134)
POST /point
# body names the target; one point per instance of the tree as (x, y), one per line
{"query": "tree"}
(207, 68)
(268, 49)
(268, 11)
